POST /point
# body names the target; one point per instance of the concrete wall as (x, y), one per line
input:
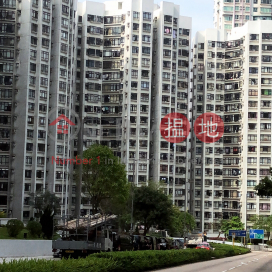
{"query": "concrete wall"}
(4, 221)
(25, 248)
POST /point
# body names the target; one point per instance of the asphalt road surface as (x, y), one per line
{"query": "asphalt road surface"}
(256, 261)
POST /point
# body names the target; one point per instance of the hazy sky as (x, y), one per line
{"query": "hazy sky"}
(201, 12)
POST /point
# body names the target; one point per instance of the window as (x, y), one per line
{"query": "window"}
(31, 93)
(167, 30)
(45, 29)
(45, 42)
(136, 15)
(146, 50)
(32, 80)
(146, 27)
(28, 173)
(144, 85)
(46, 3)
(46, 16)
(64, 22)
(147, 16)
(64, 35)
(45, 55)
(33, 54)
(266, 10)
(135, 50)
(28, 160)
(44, 81)
(65, 10)
(34, 27)
(34, 40)
(146, 38)
(35, 14)
(44, 68)
(63, 72)
(42, 121)
(135, 26)
(32, 67)
(264, 206)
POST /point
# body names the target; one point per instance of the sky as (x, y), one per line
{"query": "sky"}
(201, 12)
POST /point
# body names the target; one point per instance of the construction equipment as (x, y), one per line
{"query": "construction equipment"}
(85, 235)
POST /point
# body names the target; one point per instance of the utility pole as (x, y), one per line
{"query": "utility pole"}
(132, 197)
(80, 143)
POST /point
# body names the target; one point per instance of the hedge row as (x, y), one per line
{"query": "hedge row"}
(128, 261)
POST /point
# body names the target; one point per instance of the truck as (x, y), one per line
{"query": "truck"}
(193, 241)
(83, 236)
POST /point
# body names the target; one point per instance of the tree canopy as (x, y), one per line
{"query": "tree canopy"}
(234, 223)
(152, 207)
(104, 179)
(181, 222)
(262, 222)
(45, 201)
(264, 188)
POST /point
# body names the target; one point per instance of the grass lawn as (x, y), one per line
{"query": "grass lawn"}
(4, 235)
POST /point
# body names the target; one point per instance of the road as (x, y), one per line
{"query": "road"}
(256, 261)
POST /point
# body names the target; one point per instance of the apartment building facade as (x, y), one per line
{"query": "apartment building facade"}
(235, 13)
(207, 158)
(170, 85)
(133, 44)
(241, 68)
(94, 62)
(36, 83)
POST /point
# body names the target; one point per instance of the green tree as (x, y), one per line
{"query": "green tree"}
(233, 223)
(264, 188)
(14, 227)
(181, 222)
(104, 179)
(152, 207)
(223, 227)
(262, 222)
(3, 214)
(47, 205)
(47, 222)
(34, 228)
(45, 201)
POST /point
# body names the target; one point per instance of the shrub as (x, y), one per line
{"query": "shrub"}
(3, 214)
(34, 228)
(126, 261)
(14, 227)
(70, 265)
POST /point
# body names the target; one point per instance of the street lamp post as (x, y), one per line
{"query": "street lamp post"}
(185, 208)
(132, 197)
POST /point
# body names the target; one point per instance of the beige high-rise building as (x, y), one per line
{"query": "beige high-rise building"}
(232, 79)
